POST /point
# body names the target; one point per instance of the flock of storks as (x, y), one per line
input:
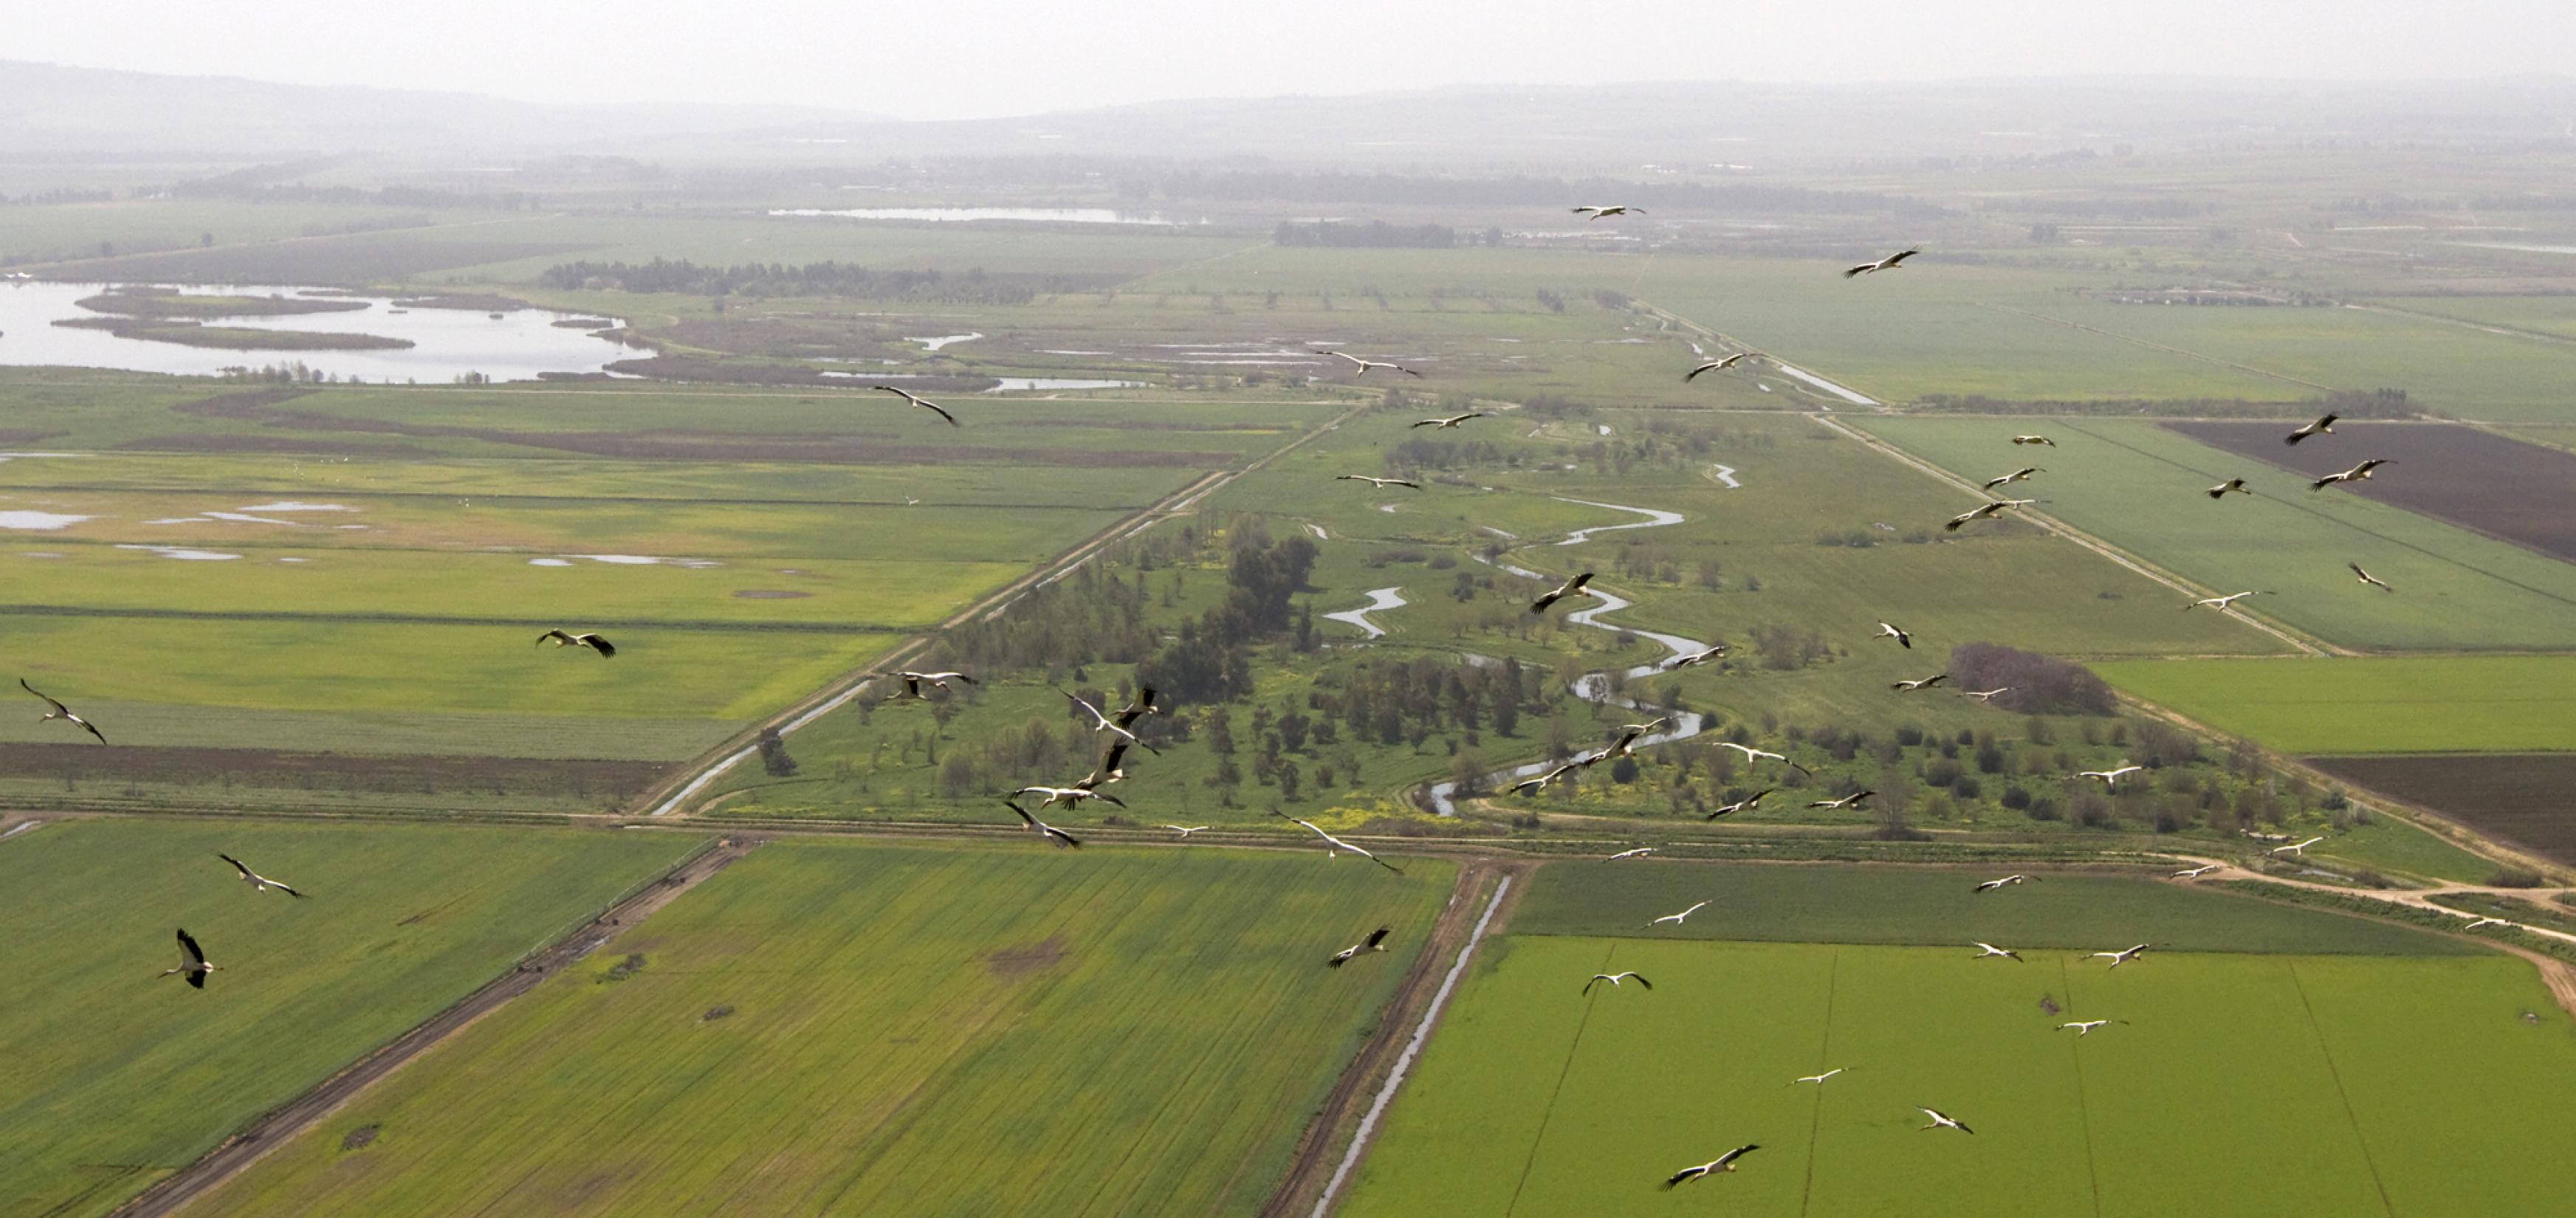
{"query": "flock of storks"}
(1120, 725)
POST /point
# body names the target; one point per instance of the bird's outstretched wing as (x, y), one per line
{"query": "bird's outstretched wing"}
(59, 708)
(600, 645)
(1377, 936)
(237, 865)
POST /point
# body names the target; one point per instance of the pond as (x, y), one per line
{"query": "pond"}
(445, 343)
(1023, 215)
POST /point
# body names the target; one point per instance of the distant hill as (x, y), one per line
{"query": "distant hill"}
(45, 108)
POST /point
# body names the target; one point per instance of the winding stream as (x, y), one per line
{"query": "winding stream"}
(1380, 600)
(1593, 686)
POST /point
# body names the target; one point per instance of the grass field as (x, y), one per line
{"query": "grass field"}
(118, 1078)
(2252, 1084)
(2407, 704)
(859, 1028)
(2139, 487)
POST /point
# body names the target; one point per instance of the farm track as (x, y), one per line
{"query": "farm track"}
(2073, 534)
(281, 1124)
(1311, 1170)
(669, 795)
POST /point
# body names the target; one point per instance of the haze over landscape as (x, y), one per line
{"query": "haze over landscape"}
(1316, 610)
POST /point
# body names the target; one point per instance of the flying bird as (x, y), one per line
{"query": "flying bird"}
(1376, 942)
(1186, 830)
(1904, 687)
(2034, 440)
(562, 638)
(1066, 797)
(2084, 1027)
(2013, 477)
(1379, 483)
(61, 712)
(1985, 695)
(2298, 848)
(1888, 263)
(1991, 507)
(1991, 885)
(2368, 578)
(1818, 1079)
(1050, 832)
(1334, 844)
(2194, 873)
(2488, 922)
(1752, 755)
(1560, 592)
(2357, 473)
(1365, 364)
(917, 400)
(2224, 604)
(1638, 853)
(1454, 420)
(192, 962)
(1941, 1120)
(1142, 706)
(1696, 657)
(2120, 957)
(1657, 723)
(913, 681)
(1677, 919)
(2109, 778)
(1741, 804)
(1614, 979)
(1985, 949)
(1722, 1163)
(257, 882)
(1528, 785)
(1103, 723)
(1849, 801)
(2233, 484)
(1902, 638)
(2324, 426)
(1591, 212)
(1718, 365)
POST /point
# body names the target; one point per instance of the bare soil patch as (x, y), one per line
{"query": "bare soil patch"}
(1013, 963)
(2520, 798)
(2504, 488)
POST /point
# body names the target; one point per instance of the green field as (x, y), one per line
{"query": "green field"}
(2252, 1084)
(1133, 1031)
(2409, 704)
(117, 1078)
(2138, 487)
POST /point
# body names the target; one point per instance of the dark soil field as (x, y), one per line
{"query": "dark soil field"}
(2522, 493)
(2519, 798)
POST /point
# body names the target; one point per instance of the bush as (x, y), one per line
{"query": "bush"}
(1941, 773)
(1909, 735)
(2037, 684)
(1967, 788)
(2516, 877)
(2015, 798)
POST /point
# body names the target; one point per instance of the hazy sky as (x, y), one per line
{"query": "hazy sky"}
(980, 58)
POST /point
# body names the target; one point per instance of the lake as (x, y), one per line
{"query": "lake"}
(447, 343)
(1024, 215)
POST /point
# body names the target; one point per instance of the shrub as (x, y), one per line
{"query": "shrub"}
(2038, 684)
(2515, 877)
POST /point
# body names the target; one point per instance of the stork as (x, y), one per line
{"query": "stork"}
(2109, 778)
(1741, 804)
(1560, 592)
(565, 638)
(1907, 687)
(1696, 657)
(2034, 440)
(2119, 958)
(1334, 844)
(1719, 365)
(1638, 853)
(1888, 263)
(192, 962)
(2324, 426)
(1722, 1163)
(1942, 1120)
(2357, 473)
(1376, 942)
(62, 712)
(2084, 1027)
(257, 882)
(1614, 979)
(1066, 797)
(2297, 848)
(1986, 695)
(1991, 507)
(2235, 485)
(2367, 578)
(1595, 212)
(1679, 918)
(1186, 830)
(1379, 483)
(1752, 755)
(1903, 639)
(2194, 873)
(2013, 477)
(913, 681)
(1365, 364)
(917, 400)
(1530, 785)
(1051, 833)
(1451, 422)
(1817, 1079)
(1849, 801)
(1103, 723)
(1991, 885)
(1986, 950)
(2223, 603)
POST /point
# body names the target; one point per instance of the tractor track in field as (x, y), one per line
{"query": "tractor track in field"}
(1313, 1173)
(281, 1124)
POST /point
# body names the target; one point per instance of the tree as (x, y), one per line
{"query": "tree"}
(773, 755)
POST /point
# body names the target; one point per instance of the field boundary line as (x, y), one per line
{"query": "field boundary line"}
(1572, 1048)
(2092, 1160)
(2060, 528)
(2487, 327)
(1824, 1053)
(1802, 382)
(278, 1126)
(2336, 1073)
(2116, 336)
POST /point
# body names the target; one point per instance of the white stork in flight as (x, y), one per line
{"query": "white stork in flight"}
(2490, 922)
(2034, 440)
(1638, 853)
(1991, 885)
(1050, 832)
(1741, 804)
(61, 712)
(1560, 592)
(1334, 844)
(1719, 365)
(1986, 950)
(2357, 473)
(564, 638)
(1379, 483)
(2324, 426)
(1752, 755)
(1722, 1163)
(1677, 919)
(2084, 1027)
(1365, 364)
(2119, 958)
(1986, 695)
(2367, 578)
(1104, 723)
(257, 882)
(1849, 801)
(1942, 1120)
(2298, 848)
(2223, 489)
(2222, 603)
(1376, 942)
(917, 400)
(1186, 830)
(192, 962)
(2194, 873)
(2013, 477)
(1907, 687)
(1817, 1079)
(1903, 639)
(1615, 978)
(2109, 778)
(1451, 422)
(1531, 785)
(1596, 211)
(913, 681)
(1991, 507)
(1695, 657)
(1066, 797)
(1888, 263)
